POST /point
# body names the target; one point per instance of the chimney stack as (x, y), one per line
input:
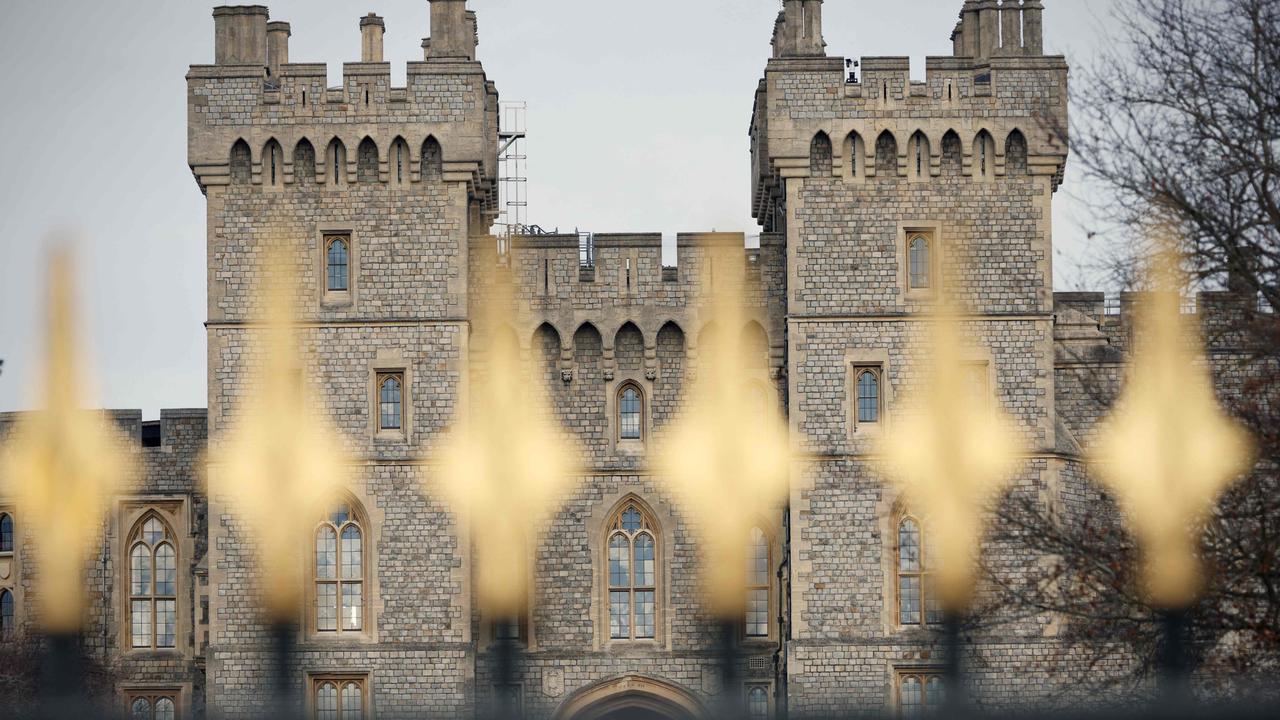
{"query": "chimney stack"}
(452, 38)
(372, 28)
(277, 46)
(798, 32)
(988, 28)
(1010, 28)
(1033, 27)
(240, 35)
(969, 30)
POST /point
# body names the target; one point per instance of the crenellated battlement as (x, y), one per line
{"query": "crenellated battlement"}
(285, 112)
(994, 109)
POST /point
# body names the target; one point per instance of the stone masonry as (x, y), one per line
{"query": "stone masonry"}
(847, 168)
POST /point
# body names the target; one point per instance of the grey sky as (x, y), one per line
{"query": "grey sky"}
(638, 117)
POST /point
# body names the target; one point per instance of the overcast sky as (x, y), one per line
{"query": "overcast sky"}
(637, 121)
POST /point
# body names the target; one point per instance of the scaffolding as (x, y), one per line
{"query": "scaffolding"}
(513, 183)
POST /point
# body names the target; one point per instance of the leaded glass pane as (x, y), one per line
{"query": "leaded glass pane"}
(6, 533)
(932, 609)
(327, 702)
(390, 398)
(351, 553)
(619, 562)
(152, 531)
(934, 693)
(340, 515)
(908, 546)
(140, 623)
(909, 600)
(868, 397)
(631, 520)
(166, 622)
(352, 606)
(757, 703)
(140, 710)
(619, 614)
(758, 613)
(140, 570)
(629, 414)
(6, 613)
(909, 699)
(165, 709)
(326, 606)
(338, 265)
(326, 554)
(352, 701)
(758, 559)
(166, 571)
(644, 614)
(644, 564)
(919, 263)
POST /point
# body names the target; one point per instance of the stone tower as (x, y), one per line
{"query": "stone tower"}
(373, 192)
(886, 190)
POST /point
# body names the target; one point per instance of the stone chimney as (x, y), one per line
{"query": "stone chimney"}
(278, 34)
(452, 37)
(988, 28)
(1033, 27)
(240, 35)
(372, 28)
(798, 31)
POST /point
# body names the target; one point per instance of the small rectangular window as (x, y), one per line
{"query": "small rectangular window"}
(920, 253)
(337, 262)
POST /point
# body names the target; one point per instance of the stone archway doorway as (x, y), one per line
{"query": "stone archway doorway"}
(632, 698)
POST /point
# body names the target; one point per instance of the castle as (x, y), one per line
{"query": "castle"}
(872, 191)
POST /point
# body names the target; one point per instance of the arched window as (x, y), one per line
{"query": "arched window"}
(984, 155)
(304, 163)
(148, 707)
(6, 533)
(919, 693)
(367, 161)
(868, 383)
(6, 614)
(273, 164)
(886, 155)
(919, 263)
(921, 156)
(241, 163)
(337, 263)
(432, 161)
(633, 574)
(855, 154)
(399, 161)
(757, 703)
(390, 401)
(630, 412)
(916, 602)
(337, 163)
(757, 617)
(952, 155)
(820, 156)
(1015, 155)
(153, 585)
(339, 699)
(339, 573)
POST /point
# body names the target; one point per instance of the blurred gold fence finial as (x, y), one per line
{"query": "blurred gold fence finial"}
(280, 466)
(63, 465)
(506, 466)
(1168, 450)
(951, 452)
(726, 458)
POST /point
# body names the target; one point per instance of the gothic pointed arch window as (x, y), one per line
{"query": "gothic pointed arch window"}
(886, 155)
(153, 584)
(338, 698)
(633, 568)
(337, 254)
(241, 163)
(1015, 153)
(399, 162)
(304, 163)
(432, 160)
(336, 163)
(867, 382)
(391, 401)
(921, 156)
(7, 623)
(272, 164)
(917, 602)
(820, 160)
(367, 161)
(952, 155)
(6, 533)
(340, 573)
(984, 155)
(919, 261)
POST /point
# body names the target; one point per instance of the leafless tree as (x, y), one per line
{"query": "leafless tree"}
(1181, 117)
